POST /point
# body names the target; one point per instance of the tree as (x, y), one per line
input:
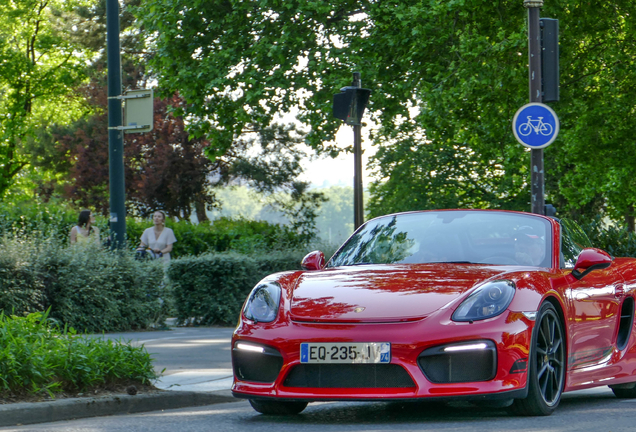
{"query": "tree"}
(595, 158)
(172, 172)
(446, 77)
(40, 67)
(335, 222)
(239, 65)
(164, 169)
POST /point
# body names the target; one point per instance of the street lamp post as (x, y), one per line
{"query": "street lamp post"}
(115, 132)
(349, 105)
(358, 200)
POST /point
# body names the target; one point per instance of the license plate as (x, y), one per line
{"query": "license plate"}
(345, 352)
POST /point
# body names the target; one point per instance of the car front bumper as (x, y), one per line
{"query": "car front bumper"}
(508, 334)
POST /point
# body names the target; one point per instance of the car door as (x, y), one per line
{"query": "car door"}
(595, 315)
(593, 304)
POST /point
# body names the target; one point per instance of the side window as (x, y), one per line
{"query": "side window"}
(573, 241)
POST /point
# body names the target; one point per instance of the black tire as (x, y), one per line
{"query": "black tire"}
(546, 366)
(274, 407)
(623, 391)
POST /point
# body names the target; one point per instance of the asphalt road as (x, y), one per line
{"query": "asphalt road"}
(193, 350)
(184, 348)
(578, 412)
(189, 359)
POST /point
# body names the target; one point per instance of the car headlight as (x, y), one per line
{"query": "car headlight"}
(262, 304)
(489, 300)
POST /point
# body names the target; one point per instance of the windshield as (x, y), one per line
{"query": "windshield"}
(480, 237)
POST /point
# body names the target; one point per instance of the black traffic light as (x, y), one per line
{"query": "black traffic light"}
(349, 104)
(549, 210)
(550, 59)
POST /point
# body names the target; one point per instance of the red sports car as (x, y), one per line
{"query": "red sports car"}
(438, 305)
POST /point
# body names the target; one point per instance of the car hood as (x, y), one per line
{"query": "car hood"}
(384, 293)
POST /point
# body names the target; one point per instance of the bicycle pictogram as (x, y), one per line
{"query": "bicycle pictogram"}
(536, 125)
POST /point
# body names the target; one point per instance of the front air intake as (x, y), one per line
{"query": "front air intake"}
(459, 363)
(250, 365)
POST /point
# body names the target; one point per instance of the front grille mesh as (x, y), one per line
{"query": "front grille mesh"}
(349, 376)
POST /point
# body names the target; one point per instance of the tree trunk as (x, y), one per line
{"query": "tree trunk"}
(199, 207)
(629, 218)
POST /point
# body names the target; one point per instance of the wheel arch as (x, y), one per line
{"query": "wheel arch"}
(559, 309)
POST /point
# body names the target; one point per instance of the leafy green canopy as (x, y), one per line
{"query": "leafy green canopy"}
(39, 67)
(239, 64)
(447, 78)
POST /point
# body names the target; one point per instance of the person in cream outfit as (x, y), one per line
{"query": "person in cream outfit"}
(158, 238)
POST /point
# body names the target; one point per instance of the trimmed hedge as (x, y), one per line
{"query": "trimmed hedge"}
(88, 288)
(211, 288)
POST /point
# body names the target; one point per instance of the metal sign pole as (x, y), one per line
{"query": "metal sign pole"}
(115, 134)
(358, 205)
(537, 180)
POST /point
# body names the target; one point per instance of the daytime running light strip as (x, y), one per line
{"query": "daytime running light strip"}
(247, 347)
(471, 347)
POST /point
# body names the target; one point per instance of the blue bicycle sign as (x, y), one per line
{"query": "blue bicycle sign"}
(535, 125)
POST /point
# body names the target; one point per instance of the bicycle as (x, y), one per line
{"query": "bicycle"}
(538, 126)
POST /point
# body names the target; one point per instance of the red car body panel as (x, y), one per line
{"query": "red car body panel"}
(411, 306)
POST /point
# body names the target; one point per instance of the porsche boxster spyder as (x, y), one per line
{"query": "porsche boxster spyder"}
(442, 305)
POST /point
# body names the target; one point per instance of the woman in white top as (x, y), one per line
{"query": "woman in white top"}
(158, 238)
(85, 232)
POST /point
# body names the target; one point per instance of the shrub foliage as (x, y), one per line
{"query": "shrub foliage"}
(211, 288)
(54, 222)
(89, 288)
(37, 356)
(613, 239)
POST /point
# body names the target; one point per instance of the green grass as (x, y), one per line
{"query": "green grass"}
(38, 357)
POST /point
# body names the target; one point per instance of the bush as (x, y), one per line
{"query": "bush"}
(616, 240)
(221, 235)
(54, 222)
(22, 289)
(46, 221)
(37, 356)
(89, 288)
(211, 288)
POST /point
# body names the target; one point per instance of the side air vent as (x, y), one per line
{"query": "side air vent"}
(625, 326)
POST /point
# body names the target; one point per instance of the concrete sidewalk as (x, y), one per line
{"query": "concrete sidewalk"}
(198, 380)
(195, 368)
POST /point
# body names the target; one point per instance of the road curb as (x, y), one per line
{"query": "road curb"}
(68, 409)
